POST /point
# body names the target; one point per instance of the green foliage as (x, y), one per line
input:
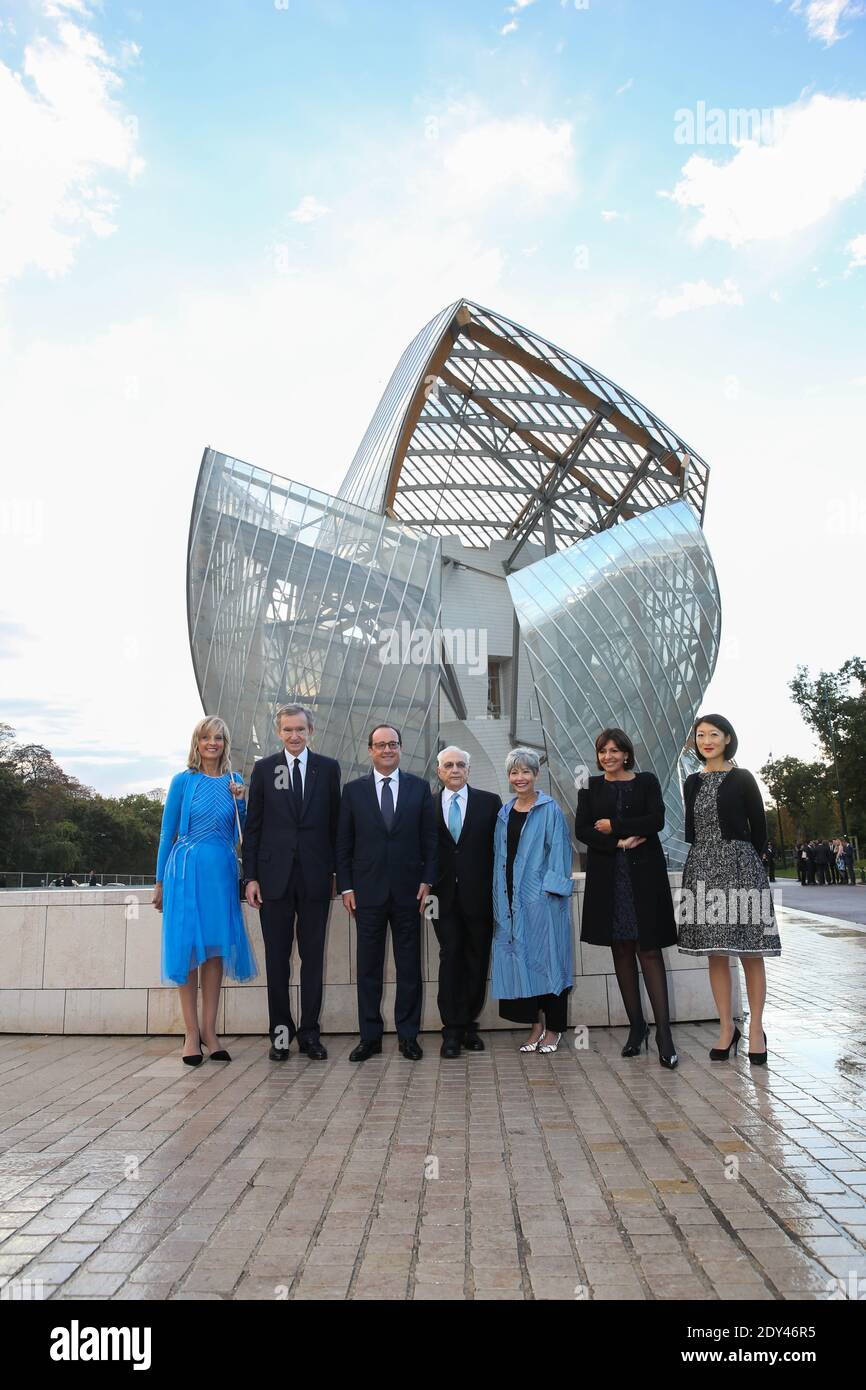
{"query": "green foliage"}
(833, 704)
(50, 821)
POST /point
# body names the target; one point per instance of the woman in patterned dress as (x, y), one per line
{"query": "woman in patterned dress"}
(197, 886)
(726, 905)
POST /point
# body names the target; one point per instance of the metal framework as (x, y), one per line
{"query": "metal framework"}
(487, 431)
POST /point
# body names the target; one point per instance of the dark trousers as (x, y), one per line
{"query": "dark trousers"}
(464, 956)
(278, 917)
(371, 925)
(554, 1006)
(821, 871)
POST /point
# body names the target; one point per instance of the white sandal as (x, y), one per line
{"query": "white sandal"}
(551, 1047)
(532, 1047)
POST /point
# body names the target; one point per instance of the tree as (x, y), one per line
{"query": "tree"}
(833, 705)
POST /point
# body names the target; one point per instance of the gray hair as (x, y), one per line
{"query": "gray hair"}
(523, 757)
(452, 748)
(294, 709)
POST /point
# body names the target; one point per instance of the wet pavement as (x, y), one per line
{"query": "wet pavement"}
(841, 900)
(124, 1175)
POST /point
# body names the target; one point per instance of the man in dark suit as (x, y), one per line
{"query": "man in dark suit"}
(386, 863)
(466, 822)
(289, 862)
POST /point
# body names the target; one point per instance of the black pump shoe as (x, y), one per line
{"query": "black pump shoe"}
(759, 1059)
(672, 1060)
(632, 1049)
(194, 1061)
(720, 1054)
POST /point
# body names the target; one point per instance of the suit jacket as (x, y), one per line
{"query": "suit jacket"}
(378, 864)
(466, 867)
(275, 838)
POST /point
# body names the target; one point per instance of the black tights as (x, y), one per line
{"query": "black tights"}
(625, 954)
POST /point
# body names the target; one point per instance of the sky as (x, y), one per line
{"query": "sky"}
(221, 225)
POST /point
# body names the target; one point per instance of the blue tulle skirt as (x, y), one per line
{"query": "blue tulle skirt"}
(201, 911)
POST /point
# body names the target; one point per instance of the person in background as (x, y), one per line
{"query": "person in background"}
(92, 880)
(627, 902)
(848, 853)
(822, 862)
(532, 887)
(196, 886)
(768, 858)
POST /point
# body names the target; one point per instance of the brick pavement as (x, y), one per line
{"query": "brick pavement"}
(124, 1175)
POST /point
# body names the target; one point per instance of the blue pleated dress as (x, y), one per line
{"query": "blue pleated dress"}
(201, 913)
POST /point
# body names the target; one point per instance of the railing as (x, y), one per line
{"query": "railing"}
(17, 879)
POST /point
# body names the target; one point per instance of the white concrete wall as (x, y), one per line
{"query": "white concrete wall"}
(79, 961)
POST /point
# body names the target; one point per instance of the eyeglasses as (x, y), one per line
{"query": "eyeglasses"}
(381, 746)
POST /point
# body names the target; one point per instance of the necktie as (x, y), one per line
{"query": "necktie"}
(455, 825)
(298, 786)
(387, 803)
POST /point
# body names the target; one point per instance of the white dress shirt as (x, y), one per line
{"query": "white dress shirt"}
(461, 797)
(379, 779)
(302, 759)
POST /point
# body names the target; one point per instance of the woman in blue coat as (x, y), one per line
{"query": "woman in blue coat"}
(197, 886)
(532, 887)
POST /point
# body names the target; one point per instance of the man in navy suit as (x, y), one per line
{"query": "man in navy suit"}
(289, 862)
(386, 862)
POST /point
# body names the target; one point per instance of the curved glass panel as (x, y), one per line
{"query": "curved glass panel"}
(293, 595)
(623, 629)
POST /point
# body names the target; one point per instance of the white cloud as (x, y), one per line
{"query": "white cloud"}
(823, 17)
(856, 249)
(697, 294)
(518, 155)
(609, 215)
(815, 160)
(515, 9)
(62, 133)
(309, 209)
(626, 86)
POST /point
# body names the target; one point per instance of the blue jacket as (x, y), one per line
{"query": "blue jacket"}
(175, 815)
(532, 951)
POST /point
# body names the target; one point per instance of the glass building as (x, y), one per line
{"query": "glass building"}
(515, 556)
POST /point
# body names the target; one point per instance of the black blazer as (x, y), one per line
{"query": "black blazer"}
(466, 868)
(378, 864)
(644, 814)
(274, 837)
(741, 810)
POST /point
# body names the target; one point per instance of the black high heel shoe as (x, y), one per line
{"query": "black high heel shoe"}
(221, 1056)
(759, 1059)
(632, 1049)
(672, 1061)
(721, 1054)
(194, 1061)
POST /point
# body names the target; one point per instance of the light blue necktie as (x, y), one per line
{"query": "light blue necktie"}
(455, 824)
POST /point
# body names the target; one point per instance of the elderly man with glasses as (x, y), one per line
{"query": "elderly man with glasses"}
(466, 821)
(386, 863)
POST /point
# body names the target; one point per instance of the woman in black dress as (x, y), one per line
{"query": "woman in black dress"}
(627, 902)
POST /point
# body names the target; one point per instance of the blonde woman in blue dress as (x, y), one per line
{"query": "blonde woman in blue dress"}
(197, 886)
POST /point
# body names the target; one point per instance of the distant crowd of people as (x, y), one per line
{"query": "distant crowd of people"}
(825, 861)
